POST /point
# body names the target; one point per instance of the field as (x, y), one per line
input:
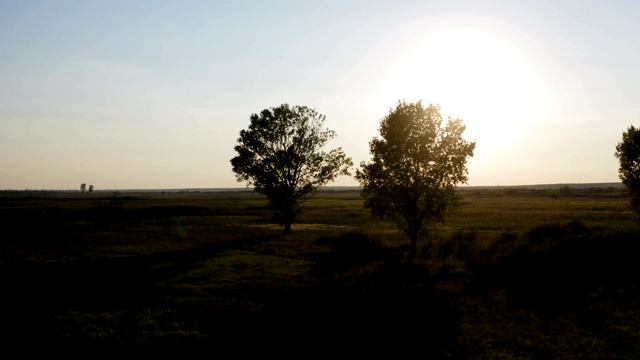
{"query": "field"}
(515, 273)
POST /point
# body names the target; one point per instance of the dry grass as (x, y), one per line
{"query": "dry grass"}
(194, 270)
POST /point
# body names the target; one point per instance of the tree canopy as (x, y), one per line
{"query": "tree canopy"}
(628, 154)
(416, 165)
(281, 154)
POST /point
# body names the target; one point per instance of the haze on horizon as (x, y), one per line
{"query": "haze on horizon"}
(153, 94)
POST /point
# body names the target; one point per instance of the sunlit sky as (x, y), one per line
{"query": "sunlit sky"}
(153, 94)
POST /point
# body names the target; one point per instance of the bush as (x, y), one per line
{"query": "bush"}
(460, 245)
(350, 249)
(561, 264)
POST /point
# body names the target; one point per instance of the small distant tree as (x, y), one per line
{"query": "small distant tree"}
(415, 168)
(281, 155)
(90, 189)
(628, 154)
(83, 187)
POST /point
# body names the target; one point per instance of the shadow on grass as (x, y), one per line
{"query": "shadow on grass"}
(555, 267)
(362, 321)
(34, 293)
(390, 307)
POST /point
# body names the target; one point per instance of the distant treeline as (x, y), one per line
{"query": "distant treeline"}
(611, 185)
(614, 185)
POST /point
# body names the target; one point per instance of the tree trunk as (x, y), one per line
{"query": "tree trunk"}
(288, 218)
(414, 247)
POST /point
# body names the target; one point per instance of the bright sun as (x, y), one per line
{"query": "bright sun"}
(473, 75)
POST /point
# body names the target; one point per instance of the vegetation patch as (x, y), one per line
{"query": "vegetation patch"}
(510, 275)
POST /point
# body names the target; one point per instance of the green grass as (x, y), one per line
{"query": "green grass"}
(514, 273)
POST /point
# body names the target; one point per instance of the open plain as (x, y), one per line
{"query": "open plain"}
(515, 273)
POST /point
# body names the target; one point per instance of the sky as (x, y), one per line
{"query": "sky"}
(153, 94)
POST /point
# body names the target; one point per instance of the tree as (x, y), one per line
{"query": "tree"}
(628, 154)
(281, 155)
(415, 168)
(83, 187)
(90, 189)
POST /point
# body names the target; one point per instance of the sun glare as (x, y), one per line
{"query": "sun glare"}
(476, 76)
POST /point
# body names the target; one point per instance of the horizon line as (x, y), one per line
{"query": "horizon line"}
(617, 183)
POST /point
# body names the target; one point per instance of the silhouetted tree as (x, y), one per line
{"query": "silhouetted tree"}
(628, 154)
(90, 189)
(281, 155)
(83, 187)
(415, 168)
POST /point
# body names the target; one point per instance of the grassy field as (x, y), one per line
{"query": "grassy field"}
(514, 274)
